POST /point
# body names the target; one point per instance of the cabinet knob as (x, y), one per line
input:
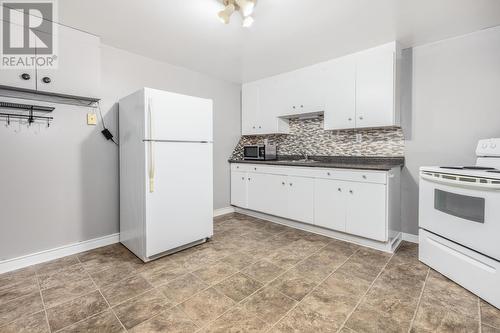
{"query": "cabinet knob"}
(260, 126)
(294, 107)
(302, 106)
(255, 169)
(25, 76)
(339, 189)
(46, 79)
(242, 178)
(249, 178)
(291, 184)
(282, 183)
(360, 117)
(351, 191)
(253, 127)
(350, 119)
(328, 173)
(364, 176)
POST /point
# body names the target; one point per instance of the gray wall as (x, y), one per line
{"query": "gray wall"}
(455, 102)
(59, 185)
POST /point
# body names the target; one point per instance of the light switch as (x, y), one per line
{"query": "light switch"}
(91, 119)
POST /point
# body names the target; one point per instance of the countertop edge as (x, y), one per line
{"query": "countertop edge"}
(333, 165)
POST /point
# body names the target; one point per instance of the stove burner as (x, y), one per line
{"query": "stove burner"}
(470, 168)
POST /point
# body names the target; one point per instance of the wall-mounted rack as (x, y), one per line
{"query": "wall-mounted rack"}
(29, 94)
(27, 112)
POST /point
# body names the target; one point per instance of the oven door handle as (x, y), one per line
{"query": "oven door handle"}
(476, 185)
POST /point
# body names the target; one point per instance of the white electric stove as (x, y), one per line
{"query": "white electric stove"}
(459, 221)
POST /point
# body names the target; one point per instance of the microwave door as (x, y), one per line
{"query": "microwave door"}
(251, 152)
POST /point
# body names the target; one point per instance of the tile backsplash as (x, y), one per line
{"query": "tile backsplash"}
(308, 135)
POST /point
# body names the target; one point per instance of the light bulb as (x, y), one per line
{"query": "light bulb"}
(225, 14)
(246, 7)
(247, 22)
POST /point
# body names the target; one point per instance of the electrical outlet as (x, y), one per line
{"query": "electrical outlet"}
(91, 119)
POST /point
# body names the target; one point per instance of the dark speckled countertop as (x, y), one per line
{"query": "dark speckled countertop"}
(343, 162)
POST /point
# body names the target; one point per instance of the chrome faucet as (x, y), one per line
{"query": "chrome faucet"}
(306, 155)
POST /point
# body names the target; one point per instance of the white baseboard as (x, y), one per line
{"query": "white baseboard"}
(56, 253)
(66, 250)
(223, 211)
(410, 238)
(389, 246)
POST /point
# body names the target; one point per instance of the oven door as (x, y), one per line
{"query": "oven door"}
(468, 213)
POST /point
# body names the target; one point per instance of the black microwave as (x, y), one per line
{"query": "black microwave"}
(259, 152)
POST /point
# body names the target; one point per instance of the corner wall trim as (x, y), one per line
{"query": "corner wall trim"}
(410, 238)
(56, 253)
(223, 211)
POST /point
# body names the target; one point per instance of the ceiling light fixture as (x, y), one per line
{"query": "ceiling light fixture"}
(244, 7)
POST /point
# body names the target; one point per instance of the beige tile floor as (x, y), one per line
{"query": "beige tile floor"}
(254, 276)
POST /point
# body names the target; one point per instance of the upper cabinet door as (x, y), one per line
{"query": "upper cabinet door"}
(250, 95)
(304, 90)
(261, 103)
(270, 99)
(78, 64)
(340, 93)
(375, 87)
(18, 77)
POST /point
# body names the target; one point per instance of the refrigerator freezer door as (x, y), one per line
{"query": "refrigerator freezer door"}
(176, 117)
(180, 209)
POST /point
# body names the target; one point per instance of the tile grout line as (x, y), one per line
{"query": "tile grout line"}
(99, 290)
(419, 300)
(362, 298)
(312, 290)
(479, 315)
(17, 298)
(264, 285)
(43, 302)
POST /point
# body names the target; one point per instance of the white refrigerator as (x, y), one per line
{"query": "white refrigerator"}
(166, 172)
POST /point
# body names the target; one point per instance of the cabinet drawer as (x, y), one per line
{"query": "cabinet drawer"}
(353, 175)
(260, 168)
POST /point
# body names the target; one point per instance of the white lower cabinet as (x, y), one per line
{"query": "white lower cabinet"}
(239, 195)
(355, 202)
(330, 201)
(366, 211)
(300, 199)
(267, 193)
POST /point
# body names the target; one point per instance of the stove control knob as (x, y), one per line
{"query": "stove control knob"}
(485, 145)
(493, 145)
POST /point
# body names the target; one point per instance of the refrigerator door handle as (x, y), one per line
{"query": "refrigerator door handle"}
(151, 148)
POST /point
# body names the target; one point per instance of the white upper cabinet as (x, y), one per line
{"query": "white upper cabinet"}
(261, 103)
(376, 87)
(355, 91)
(302, 91)
(76, 71)
(24, 78)
(250, 108)
(340, 93)
(78, 65)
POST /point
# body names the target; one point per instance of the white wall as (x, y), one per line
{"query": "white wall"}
(455, 102)
(60, 185)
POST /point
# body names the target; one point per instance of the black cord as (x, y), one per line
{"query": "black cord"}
(104, 129)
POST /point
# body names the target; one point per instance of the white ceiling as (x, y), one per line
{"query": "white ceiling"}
(287, 34)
